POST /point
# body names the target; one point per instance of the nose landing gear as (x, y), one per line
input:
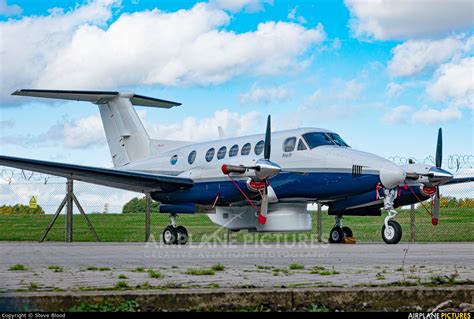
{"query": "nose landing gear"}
(391, 229)
(175, 235)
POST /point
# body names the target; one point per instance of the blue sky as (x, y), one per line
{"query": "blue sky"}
(379, 77)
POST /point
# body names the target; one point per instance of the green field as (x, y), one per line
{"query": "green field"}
(456, 224)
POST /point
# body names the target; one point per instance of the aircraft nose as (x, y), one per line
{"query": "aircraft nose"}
(391, 175)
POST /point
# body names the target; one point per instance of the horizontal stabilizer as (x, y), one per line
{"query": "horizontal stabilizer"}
(97, 97)
(127, 180)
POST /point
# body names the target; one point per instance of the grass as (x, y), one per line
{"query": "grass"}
(317, 308)
(154, 274)
(263, 267)
(456, 224)
(200, 272)
(122, 276)
(319, 270)
(218, 267)
(33, 286)
(17, 267)
(296, 266)
(56, 268)
(139, 269)
(121, 285)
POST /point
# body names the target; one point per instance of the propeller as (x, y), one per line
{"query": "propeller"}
(439, 159)
(264, 170)
(436, 176)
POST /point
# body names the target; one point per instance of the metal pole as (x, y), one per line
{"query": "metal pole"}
(86, 219)
(69, 210)
(229, 235)
(53, 220)
(412, 223)
(320, 222)
(147, 218)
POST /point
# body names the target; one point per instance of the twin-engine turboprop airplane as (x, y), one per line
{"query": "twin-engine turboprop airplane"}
(258, 182)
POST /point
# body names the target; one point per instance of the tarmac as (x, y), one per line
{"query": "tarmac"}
(101, 266)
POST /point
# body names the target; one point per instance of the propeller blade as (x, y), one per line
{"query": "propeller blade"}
(262, 217)
(268, 140)
(435, 208)
(439, 148)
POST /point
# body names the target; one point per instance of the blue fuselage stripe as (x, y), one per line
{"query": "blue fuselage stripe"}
(314, 185)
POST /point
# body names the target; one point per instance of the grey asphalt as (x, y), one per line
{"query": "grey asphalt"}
(252, 265)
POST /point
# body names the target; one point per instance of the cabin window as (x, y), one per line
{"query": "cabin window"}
(234, 150)
(259, 147)
(337, 139)
(174, 159)
(301, 146)
(221, 152)
(191, 157)
(317, 139)
(210, 154)
(289, 144)
(246, 149)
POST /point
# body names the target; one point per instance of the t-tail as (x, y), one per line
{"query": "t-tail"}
(126, 136)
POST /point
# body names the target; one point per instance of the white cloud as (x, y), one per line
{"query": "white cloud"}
(292, 15)
(388, 19)
(9, 10)
(83, 132)
(432, 116)
(398, 114)
(454, 82)
(264, 95)
(414, 56)
(238, 5)
(194, 129)
(186, 47)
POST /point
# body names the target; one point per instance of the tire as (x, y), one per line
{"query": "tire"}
(336, 235)
(393, 234)
(170, 235)
(182, 235)
(347, 232)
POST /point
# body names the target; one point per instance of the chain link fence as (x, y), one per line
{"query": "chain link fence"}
(104, 205)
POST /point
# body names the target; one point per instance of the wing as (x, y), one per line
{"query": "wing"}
(460, 180)
(127, 180)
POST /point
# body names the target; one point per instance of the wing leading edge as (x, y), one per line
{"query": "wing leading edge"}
(127, 180)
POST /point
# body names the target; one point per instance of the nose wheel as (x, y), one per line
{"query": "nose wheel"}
(393, 233)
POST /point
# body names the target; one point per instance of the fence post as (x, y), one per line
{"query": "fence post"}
(412, 223)
(320, 223)
(69, 209)
(147, 217)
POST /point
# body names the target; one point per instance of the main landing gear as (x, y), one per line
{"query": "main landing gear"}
(391, 229)
(338, 232)
(175, 235)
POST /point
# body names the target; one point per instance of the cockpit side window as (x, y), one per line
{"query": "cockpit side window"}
(338, 140)
(289, 144)
(317, 139)
(301, 146)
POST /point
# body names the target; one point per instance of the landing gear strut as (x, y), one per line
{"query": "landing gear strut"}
(338, 232)
(391, 229)
(175, 235)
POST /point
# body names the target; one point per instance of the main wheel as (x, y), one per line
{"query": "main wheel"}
(335, 235)
(393, 233)
(170, 235)
(182, 235)
(347, 231)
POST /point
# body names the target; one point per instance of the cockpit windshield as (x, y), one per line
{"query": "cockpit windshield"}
(338, 140)
(319, 139)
